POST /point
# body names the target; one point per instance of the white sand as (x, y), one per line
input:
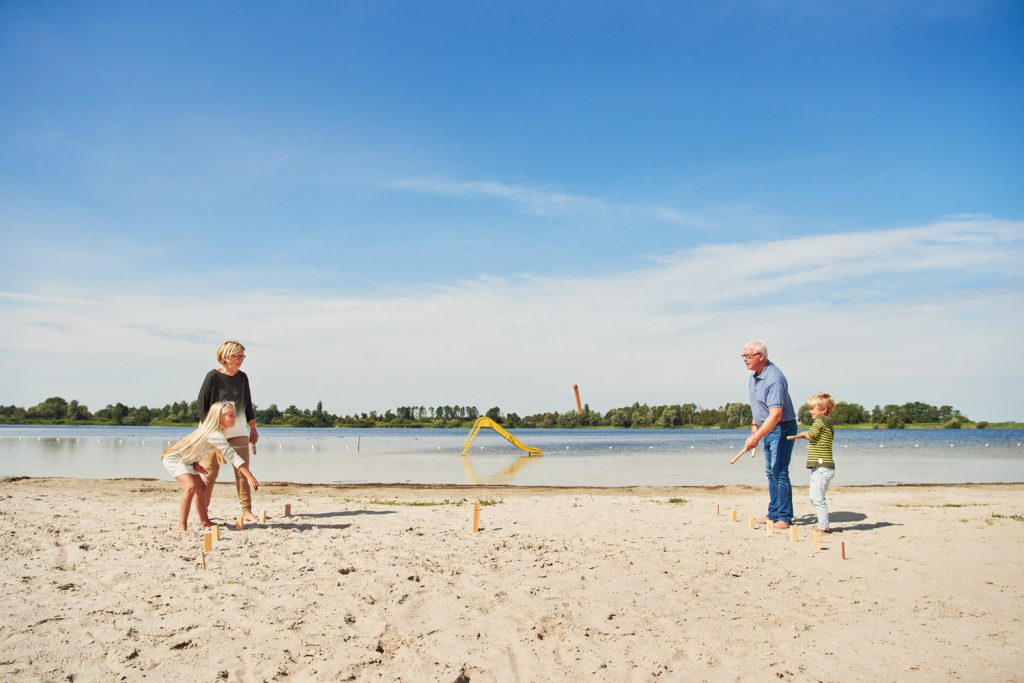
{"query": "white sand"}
(560, 584)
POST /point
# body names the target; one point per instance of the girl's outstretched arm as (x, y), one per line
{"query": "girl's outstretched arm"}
(244, 469)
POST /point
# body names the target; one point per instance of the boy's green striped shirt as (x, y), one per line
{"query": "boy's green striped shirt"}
(819, 447)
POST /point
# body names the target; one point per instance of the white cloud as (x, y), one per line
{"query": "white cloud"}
(543, 201)
(843, 313)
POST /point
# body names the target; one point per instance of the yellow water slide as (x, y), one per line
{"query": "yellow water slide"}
(488, 422)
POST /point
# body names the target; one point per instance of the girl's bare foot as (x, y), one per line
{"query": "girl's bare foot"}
(206, 525)
(249, 518)
(182, 527)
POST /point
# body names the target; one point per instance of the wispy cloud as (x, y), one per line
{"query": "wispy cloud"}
(845, 313)
(545, 201)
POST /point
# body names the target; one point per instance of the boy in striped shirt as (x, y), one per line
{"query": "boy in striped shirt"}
(819, 453)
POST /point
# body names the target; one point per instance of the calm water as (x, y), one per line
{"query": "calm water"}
(613, 457)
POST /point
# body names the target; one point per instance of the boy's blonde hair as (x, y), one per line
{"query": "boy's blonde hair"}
(196, 441)
(822, 400)
(228, 349)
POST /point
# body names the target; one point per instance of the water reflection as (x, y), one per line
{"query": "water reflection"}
(503, 477)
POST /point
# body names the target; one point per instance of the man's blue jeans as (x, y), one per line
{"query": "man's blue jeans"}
(777, 452)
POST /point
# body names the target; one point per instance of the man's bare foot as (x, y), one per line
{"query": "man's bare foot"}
(781, 525)
(249, 518)
(825, 531)
(762, 520)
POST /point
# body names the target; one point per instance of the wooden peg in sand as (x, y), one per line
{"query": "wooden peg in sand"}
(842, 549)
(717, 511)
(215, 531)
(203, 558)
(239, 523)
(817, 540)
(732, 515)
(476, 516)
(769, 527)
(752, 524)
(263, 517)
(288, 510)
(792, 534)
(208, 541)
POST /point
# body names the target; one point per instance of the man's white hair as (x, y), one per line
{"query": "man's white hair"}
(756, 346)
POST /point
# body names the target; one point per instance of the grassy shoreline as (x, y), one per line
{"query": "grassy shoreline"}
(469, 424)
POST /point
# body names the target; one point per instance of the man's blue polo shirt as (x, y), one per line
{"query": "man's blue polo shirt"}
(769, 389)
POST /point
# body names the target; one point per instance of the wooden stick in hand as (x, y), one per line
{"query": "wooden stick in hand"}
(738, 456)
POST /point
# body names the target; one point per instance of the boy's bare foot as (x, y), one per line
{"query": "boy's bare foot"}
(249, 518)
(781, 525)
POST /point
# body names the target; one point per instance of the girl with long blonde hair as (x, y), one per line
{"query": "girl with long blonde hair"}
(182, 460)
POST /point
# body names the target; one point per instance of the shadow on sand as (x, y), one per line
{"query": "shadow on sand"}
(844, 518)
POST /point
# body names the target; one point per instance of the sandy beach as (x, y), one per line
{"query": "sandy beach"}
(388, 583)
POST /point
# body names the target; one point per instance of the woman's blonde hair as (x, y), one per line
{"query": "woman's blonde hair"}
(197, 440)
(228, 349)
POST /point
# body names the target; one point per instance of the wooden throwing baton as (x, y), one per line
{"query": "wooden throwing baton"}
(738, 456)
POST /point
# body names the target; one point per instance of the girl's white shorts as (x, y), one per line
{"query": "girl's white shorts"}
(174, 465)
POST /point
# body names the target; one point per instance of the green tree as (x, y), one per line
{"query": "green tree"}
(848, 414)
(54, 408)
(77, 412)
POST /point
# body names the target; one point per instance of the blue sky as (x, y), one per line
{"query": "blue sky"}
(484, 203)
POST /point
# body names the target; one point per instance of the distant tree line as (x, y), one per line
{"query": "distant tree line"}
(730, 416)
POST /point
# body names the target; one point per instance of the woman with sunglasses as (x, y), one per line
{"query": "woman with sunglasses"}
(229, 383)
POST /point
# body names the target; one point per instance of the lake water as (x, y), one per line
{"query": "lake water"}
(606, 457)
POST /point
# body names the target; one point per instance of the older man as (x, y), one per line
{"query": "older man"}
(774, 420)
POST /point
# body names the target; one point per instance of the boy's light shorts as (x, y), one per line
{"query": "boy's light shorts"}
(174, 465)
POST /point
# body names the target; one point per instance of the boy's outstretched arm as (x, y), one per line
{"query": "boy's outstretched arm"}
(801, 435)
